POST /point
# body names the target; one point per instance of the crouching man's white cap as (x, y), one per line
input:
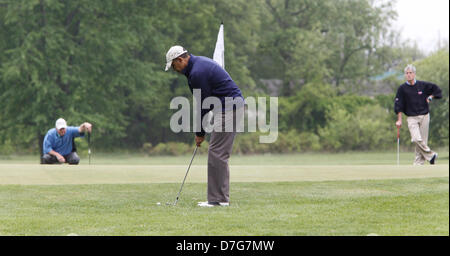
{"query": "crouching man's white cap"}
(173, 53)
(60, 123)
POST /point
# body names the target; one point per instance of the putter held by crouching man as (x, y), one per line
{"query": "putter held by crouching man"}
(59, 145)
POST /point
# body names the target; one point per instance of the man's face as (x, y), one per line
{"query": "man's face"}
(62, 131)
(410, 75)
(178, 64)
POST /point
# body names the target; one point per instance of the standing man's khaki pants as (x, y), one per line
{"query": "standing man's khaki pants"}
(418, 127)
(220, 148)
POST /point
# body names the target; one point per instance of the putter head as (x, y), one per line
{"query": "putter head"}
(174, 203)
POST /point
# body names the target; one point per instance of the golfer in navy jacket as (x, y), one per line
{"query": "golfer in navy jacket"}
(205, 74)
(413, 98)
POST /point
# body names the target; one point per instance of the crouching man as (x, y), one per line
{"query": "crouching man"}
(59, 145)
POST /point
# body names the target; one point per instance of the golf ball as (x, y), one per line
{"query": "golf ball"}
(158, 203)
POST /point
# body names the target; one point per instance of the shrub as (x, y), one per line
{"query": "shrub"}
(7, 147)
(170, 149)
(309, 141)
(369, 128)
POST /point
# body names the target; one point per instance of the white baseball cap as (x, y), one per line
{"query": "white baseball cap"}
(173, 53)
(60, 123)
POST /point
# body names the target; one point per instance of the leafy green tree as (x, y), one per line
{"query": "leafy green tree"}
(292, 44)
(355, 29)
(103, 62)
(82, 60)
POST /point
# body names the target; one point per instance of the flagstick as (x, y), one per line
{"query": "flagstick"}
(89, 147)
(398, 146)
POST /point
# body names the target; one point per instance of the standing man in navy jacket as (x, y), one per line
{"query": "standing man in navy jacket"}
(413, 98)
(205, 74)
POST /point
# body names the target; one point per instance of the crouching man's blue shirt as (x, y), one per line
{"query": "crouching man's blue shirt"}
(61, 144)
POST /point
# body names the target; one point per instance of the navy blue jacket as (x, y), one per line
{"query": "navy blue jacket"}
(205, 74)
(412, 99)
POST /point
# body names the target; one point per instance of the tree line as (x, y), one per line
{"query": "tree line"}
(102, 62)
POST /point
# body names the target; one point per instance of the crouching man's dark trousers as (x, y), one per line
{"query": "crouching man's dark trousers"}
(71, 158)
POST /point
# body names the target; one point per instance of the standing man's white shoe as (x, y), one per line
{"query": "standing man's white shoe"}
(212, 204)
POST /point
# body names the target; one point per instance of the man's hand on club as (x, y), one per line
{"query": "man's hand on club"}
(398, 123)
(87, 127)
(199, 140)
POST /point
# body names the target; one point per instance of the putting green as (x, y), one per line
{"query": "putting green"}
(35, 174)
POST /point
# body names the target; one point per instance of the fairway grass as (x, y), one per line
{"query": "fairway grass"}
(327, 208)
(30, 174)
(341, 195)
(348, 158)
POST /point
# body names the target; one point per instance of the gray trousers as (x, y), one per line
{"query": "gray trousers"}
(220, 148)
(71, 158)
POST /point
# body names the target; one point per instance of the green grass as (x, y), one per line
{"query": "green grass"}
(384, 207)
(340, 195)
(349, 158)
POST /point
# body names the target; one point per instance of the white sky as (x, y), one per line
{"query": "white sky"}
(423, 21)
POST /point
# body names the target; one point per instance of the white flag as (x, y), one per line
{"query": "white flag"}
(219, 52)
(219, 57)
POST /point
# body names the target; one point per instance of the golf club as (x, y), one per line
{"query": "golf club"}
(398, 145)
(179, 192)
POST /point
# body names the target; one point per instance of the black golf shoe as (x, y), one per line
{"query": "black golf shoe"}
(433, 159)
